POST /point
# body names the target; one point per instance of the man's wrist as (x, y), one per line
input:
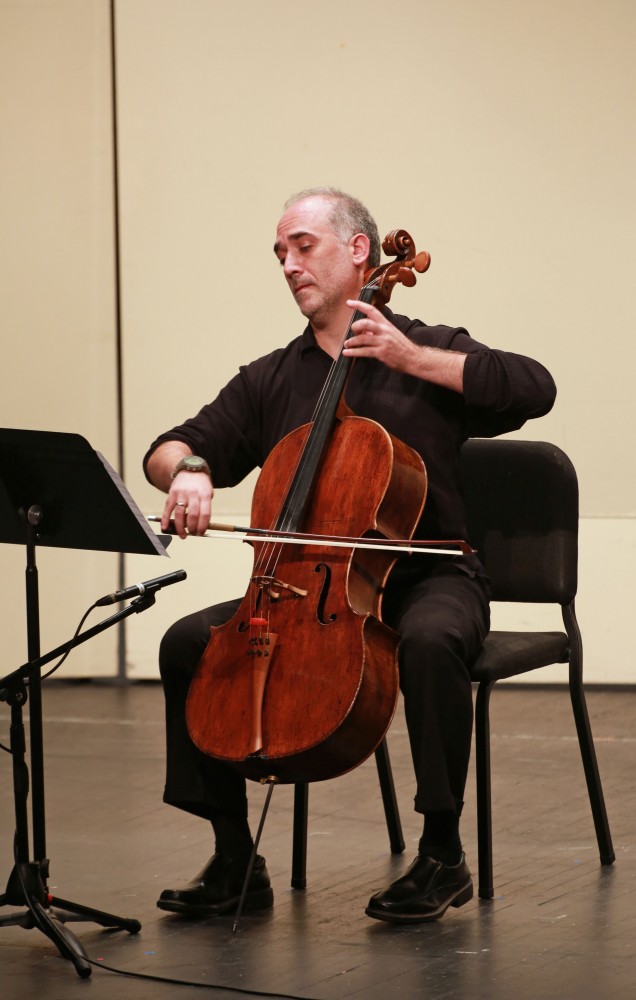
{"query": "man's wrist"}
(191, 463)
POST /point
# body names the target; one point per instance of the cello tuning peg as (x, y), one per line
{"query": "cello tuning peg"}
(422, 261)
(406, 277)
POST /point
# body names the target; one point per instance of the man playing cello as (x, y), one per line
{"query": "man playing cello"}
(430, 386)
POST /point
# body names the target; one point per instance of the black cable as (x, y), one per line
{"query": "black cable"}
(204, 986)
(59, 663)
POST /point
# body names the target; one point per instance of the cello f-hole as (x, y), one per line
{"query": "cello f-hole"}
(324, 592)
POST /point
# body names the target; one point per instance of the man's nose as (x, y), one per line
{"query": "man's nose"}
(292, 264)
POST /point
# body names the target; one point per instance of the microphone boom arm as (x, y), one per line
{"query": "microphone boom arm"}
(17, 677)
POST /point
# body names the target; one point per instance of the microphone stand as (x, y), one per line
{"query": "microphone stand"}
(28, 880)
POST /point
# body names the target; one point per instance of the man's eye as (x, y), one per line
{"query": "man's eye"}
(305, 249)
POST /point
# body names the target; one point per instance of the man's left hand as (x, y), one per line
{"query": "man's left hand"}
(375, 337)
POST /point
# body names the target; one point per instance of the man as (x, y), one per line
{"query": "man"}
(430, 386)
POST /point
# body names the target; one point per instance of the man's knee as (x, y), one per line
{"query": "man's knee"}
(182, 647)
(428, 657)
(184, 643)
(446, 632)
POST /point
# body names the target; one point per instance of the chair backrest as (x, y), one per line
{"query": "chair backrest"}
(522, 502)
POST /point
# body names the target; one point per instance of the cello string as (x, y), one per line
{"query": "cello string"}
(270, 555)
(303, 473)
(332, 370)
(321, 427)
(335, 370)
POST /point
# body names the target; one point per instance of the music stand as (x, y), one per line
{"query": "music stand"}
(56, 491)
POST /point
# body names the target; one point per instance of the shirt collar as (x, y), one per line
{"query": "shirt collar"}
(308, 340)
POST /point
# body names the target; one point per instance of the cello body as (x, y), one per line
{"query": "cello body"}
(301, 684)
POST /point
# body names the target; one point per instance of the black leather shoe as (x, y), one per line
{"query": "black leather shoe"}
(217, 889)
(423, 893)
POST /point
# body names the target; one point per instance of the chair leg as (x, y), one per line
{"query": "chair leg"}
(299, 844)
(301, 809)
(586, 741)
(389, 800)
(592, 776)
(484, 796)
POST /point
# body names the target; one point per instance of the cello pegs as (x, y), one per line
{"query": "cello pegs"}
(406, 277)
(422, 261)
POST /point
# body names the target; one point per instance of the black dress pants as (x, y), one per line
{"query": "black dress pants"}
(442, 616)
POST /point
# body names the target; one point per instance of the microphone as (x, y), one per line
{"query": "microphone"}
(139, 589)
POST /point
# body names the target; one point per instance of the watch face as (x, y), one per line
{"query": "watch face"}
(191, 463)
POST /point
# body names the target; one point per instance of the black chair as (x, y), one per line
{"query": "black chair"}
(522, 503)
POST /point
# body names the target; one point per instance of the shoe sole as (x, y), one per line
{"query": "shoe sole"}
(462, 896)
(263, 899)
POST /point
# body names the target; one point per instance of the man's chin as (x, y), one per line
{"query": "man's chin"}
(308, 309)
(302, 299)
(313, 310)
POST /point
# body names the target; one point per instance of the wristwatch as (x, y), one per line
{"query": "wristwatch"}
(191, 463)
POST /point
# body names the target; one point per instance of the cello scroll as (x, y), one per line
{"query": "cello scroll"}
(399, 244)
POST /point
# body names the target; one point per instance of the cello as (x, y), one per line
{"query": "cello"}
(302, 682)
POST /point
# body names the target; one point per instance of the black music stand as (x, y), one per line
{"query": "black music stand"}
(55, 491)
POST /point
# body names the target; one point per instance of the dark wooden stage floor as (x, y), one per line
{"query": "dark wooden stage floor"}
(561, 927)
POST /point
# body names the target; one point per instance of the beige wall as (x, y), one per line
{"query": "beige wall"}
(501, 135)
(58, 369)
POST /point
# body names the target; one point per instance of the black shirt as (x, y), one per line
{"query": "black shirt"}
(277, 393)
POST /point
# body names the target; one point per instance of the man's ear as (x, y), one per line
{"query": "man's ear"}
(360, 246)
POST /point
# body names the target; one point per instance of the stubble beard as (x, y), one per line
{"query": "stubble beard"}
(319, 313)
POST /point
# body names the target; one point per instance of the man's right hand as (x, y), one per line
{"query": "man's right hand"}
(190, 503)
(189, 493)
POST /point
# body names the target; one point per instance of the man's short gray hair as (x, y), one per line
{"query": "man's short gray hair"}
(348, 217)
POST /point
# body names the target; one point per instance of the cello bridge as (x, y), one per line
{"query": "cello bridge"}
(273, 586)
